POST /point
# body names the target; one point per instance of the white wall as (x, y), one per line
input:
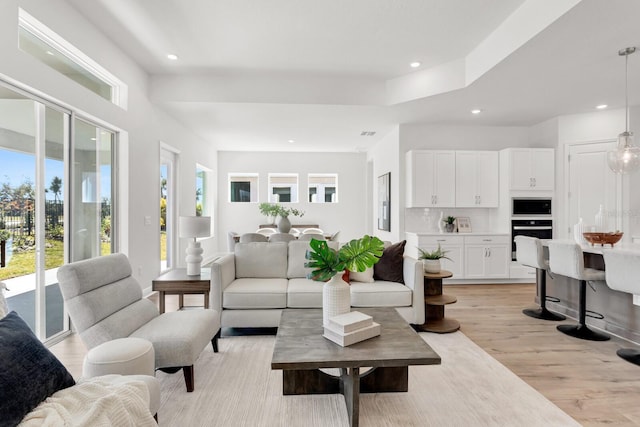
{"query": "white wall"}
(595, 127)
(142, 125)
(384, 158)
(347, 216)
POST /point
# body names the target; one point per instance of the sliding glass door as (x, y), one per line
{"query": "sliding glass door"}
(49, 211)
(91, 220)
(33, 141)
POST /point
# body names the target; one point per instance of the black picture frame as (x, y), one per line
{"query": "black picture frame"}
(384, 202)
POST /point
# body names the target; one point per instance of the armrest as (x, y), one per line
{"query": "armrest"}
(412, 271)
(223, 272)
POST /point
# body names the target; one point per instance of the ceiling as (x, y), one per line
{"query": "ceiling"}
(253, 75)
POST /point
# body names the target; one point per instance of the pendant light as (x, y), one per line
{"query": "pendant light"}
(626, 157)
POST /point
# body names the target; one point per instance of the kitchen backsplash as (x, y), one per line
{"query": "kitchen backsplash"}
(426, 219)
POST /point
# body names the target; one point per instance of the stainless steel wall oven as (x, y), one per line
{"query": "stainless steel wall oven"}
(530, 217)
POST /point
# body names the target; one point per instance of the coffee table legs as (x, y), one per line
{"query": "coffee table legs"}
(350, 384)
(350, 389)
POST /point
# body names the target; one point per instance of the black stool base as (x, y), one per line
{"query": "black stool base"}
(582, 332)
(630, 355)
(543, 313)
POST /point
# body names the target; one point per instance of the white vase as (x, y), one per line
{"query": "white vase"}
(336, 298)
(284, 225)
(601, 220)
(441, 222)
(431, 265)
(578, 229)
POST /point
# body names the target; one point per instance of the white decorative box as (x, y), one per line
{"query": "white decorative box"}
(352, 337)
(350, 322)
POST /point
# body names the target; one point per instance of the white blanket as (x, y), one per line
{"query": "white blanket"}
(98, 401)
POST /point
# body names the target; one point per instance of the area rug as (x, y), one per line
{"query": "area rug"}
(236, 387)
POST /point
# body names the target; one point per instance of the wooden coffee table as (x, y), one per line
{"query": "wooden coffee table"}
(301, 350)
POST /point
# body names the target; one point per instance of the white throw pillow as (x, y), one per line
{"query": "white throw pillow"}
(365, 276)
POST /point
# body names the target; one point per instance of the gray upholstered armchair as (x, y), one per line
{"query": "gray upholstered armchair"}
(105, 302)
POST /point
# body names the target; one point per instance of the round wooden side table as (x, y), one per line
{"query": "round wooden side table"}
(434, 302)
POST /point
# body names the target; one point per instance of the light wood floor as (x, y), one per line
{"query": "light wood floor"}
(585, 379)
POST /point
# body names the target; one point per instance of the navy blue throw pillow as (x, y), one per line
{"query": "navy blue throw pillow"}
(29, 372)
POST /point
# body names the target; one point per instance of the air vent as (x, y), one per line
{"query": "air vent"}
(367, 133)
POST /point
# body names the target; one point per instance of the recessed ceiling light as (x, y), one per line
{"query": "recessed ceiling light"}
(601, 106)
(172, 57)
(291, 141)
(49, 53)
(476, 111)
(415, 64)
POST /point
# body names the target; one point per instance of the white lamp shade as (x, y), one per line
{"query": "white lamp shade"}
(195, 226)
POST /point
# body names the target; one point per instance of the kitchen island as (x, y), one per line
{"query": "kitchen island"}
(621, 316)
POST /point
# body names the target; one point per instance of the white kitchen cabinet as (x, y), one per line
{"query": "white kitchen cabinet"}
(531, 169)
(487, 257)
(477, 179)
(430, 178)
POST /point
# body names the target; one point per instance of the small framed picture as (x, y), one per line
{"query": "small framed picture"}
(464, 224)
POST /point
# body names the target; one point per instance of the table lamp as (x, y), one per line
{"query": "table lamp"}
(194, 227)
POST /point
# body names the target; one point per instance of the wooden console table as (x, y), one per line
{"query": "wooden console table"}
(434, 302)
(176, 282)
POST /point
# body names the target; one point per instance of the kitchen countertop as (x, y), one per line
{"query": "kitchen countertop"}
(475, 233)
(633, 247)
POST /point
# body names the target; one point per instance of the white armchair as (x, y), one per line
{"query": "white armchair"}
(105, 303)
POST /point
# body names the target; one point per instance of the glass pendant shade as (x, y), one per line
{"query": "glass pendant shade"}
(626, 157)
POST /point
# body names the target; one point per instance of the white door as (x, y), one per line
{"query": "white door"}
(591, 184)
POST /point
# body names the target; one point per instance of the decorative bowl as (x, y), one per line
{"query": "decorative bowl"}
(602, 239)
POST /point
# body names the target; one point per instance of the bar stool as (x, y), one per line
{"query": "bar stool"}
(529, 252)
(567, 259)
(622, 270)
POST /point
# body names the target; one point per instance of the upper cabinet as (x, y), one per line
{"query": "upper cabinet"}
(477, 179)
(531, 168)
(431, 178)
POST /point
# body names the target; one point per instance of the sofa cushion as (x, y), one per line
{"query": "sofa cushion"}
(389, 267)
(380, 294)
(256, 293)
(304, 293)
(297, 252)
(261, 259)
(30, 372)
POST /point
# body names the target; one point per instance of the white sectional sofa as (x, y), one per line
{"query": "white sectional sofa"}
(252, 286)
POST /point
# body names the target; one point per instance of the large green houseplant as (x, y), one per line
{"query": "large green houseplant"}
(327, 265)
(357, 255)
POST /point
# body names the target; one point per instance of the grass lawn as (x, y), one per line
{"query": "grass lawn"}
(23, 263)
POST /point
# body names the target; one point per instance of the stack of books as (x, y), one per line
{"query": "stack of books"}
(350, 328)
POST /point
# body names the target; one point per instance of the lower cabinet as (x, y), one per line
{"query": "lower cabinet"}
(486, 257)
(471, 257)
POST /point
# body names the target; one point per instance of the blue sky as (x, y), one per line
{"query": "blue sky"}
(16, 168)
